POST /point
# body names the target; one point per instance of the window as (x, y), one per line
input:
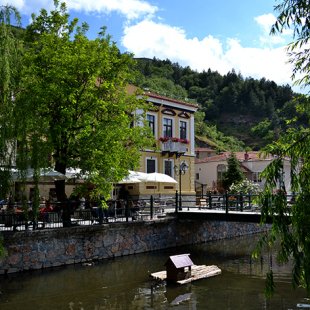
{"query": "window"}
(168, 166)
(167, 123)
(151, 121)
(256, 177)
(221, 169)
(150, 165)
(197, 176)
(183, 130)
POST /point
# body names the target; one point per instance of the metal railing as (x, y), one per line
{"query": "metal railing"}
(174, 147)
(227, 202)
(222, 202)
(74, 213)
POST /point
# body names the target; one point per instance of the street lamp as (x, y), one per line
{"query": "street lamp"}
(179, 170)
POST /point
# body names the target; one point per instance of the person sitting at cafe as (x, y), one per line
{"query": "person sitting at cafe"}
(44, 212)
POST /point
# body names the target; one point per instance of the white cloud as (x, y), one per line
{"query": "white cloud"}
(130, 9)
(270, 63)
(150, 39)
(147, 38)
(28, 7)
(19, 4)
(265, 22)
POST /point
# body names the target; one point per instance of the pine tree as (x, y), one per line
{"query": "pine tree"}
(234, 173)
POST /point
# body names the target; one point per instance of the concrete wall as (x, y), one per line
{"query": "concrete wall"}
(48, 248)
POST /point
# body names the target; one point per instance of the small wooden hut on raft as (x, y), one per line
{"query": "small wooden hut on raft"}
(178, 267)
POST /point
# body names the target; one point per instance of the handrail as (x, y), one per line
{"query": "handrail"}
(73, 213)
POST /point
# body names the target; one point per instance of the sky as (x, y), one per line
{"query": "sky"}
(221, 35)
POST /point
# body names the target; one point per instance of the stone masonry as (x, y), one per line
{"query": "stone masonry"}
(28, 250)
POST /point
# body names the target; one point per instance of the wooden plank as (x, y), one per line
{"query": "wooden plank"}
(197, 272)
(160, 275)
(202, 272)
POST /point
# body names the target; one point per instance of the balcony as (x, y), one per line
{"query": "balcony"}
(174, 147)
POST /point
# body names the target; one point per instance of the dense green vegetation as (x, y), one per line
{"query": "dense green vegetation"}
(251, 111)
(72, 91)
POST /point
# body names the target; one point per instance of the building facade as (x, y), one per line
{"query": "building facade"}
(210, 170)
(172, 124)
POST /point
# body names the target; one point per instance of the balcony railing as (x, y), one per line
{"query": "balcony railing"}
(174, 147)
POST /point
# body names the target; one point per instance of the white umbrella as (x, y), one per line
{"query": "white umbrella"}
(45, 175)
(51, 175)
(133, 177)
(137, 174)
(75, 173)
(138, 177)
(129, 180)
(157, 178)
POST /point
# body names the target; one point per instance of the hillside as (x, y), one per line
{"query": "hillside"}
(250, 111)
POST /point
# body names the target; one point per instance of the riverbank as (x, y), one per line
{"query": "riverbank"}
(30, 250)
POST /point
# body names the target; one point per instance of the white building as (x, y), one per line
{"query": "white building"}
(210, 170)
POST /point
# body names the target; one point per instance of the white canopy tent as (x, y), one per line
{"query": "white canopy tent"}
(129, 180)
(132, 178)
(138, 177)
(158, 178)
(45, 175)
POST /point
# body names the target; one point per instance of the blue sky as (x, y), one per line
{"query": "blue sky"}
(221, 35)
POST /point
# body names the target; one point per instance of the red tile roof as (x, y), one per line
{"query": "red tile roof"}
(252, 156)
(204, 149)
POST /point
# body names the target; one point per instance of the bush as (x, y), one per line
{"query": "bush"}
(245, 187)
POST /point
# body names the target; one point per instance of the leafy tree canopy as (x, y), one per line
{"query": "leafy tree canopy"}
(80, 111)
(10, 67)
(9, 79)
(295, 15)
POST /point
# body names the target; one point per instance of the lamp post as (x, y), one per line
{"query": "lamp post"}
(180, 170)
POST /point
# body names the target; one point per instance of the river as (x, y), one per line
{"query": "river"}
(124, 283)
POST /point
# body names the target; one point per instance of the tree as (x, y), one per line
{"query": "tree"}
(291, 233)
(209, 133)
(80, 111)
(10, 66)
(162, 85)
(295, 15)
(233, 173)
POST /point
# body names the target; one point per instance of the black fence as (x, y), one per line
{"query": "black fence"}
(227, 202)
(73, 213)
(224, 202)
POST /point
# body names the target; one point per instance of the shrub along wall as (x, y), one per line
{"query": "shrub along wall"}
(47, 248)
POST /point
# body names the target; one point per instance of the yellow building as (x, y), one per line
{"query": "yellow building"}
(172, 124)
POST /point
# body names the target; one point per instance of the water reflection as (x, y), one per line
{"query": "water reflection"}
(124, 283)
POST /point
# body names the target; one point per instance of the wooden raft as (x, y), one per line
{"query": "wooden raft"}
(197, 272)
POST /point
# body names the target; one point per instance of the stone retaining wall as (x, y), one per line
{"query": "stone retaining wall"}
(48, 248)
